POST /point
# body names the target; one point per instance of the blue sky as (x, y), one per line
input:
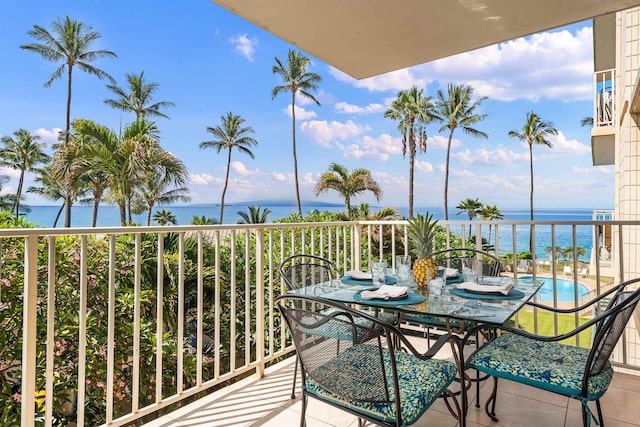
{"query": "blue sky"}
(209, 61)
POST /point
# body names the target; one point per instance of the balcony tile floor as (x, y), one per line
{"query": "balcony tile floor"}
(267, 402)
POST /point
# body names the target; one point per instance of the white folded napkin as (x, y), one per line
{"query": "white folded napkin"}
(358, 275)
(385, 292)
(450, 272)
(489, 289)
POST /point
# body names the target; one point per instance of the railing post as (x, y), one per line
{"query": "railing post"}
(355, 263)
(29, 319)
(260, 302)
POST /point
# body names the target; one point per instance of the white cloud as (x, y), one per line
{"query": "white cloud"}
(424, 167)
(202, 179)
(394, 80)
(439, 141)
(369, 148)
(301, 113)
(343, 107)
(244, 45)
(241, 169)
(564, 146)
(594, 170)
(10, 172)
(308, 179)
(278, 176)
(554, 65)
(323, 132)
(355, 151)
(497, 157)
(48, 137)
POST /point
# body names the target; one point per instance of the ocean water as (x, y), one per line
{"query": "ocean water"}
(110, 216)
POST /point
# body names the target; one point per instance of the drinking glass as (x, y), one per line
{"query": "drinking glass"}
(470, 276)
(378, 272)
(436, 286)
(403, 267)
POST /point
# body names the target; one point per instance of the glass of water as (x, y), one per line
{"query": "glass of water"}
(378, 272)
(403, 267)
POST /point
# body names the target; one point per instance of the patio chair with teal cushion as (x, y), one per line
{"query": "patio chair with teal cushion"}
(302, 272)
(581, 373)
(364, 375)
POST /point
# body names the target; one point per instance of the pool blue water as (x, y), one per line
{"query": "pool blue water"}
(565, 289)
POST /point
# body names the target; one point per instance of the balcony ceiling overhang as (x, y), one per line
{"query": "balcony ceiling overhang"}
(368, 37)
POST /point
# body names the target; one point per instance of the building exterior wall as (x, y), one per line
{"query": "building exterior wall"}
(627, 161)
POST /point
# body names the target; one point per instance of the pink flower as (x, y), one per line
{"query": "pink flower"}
(17, 397)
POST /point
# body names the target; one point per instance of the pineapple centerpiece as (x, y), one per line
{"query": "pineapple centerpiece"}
(422, 233)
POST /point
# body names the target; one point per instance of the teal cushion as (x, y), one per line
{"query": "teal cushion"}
(420, 382)
(547, 365)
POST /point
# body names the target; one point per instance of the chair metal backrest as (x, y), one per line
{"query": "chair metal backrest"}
(487, 264)
(610, 326)
(299, 271)
(342, 349)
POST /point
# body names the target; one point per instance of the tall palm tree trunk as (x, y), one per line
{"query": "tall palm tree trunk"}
(19, 193)
(67, 179)
(123, 213)
(55, 222)
(412, 161)
(446, 178)
(531, 197)
(295, 157)
(96, 205)
(531, 171)
(226, 183)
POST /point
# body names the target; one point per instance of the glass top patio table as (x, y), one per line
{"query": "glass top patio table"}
(472, 307)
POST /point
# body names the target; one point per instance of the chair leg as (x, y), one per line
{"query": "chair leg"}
(295, 375)
(492, 400)
(304, 410)
(600, 417)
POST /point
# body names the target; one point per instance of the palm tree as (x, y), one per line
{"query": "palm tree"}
(534, 131)
(363, 212)
(413, 111)
(256, 215)
(231, 134)
(348, 184)
(456, 109)
(586, 122)
(139, 97)
(23, 153)
(472, 207)
(203, 220)
(297, 80)
(169, 171)
(164, 217)
(122, 160)
(489, 213)
(6, 200)
(69, 44)
(50, 188)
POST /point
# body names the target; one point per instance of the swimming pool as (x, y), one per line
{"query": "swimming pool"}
(565, 289)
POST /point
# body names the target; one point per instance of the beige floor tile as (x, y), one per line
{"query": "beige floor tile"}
(514, 410)
(266, 402)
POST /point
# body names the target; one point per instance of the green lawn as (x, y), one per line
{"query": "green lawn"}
(566, 323)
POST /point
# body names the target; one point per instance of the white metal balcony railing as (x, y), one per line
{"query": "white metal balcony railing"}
(604, 91)
(107, 326)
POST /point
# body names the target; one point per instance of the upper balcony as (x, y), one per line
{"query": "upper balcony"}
(604, 118)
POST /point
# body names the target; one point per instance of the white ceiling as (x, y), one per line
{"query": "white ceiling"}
(369, 37)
